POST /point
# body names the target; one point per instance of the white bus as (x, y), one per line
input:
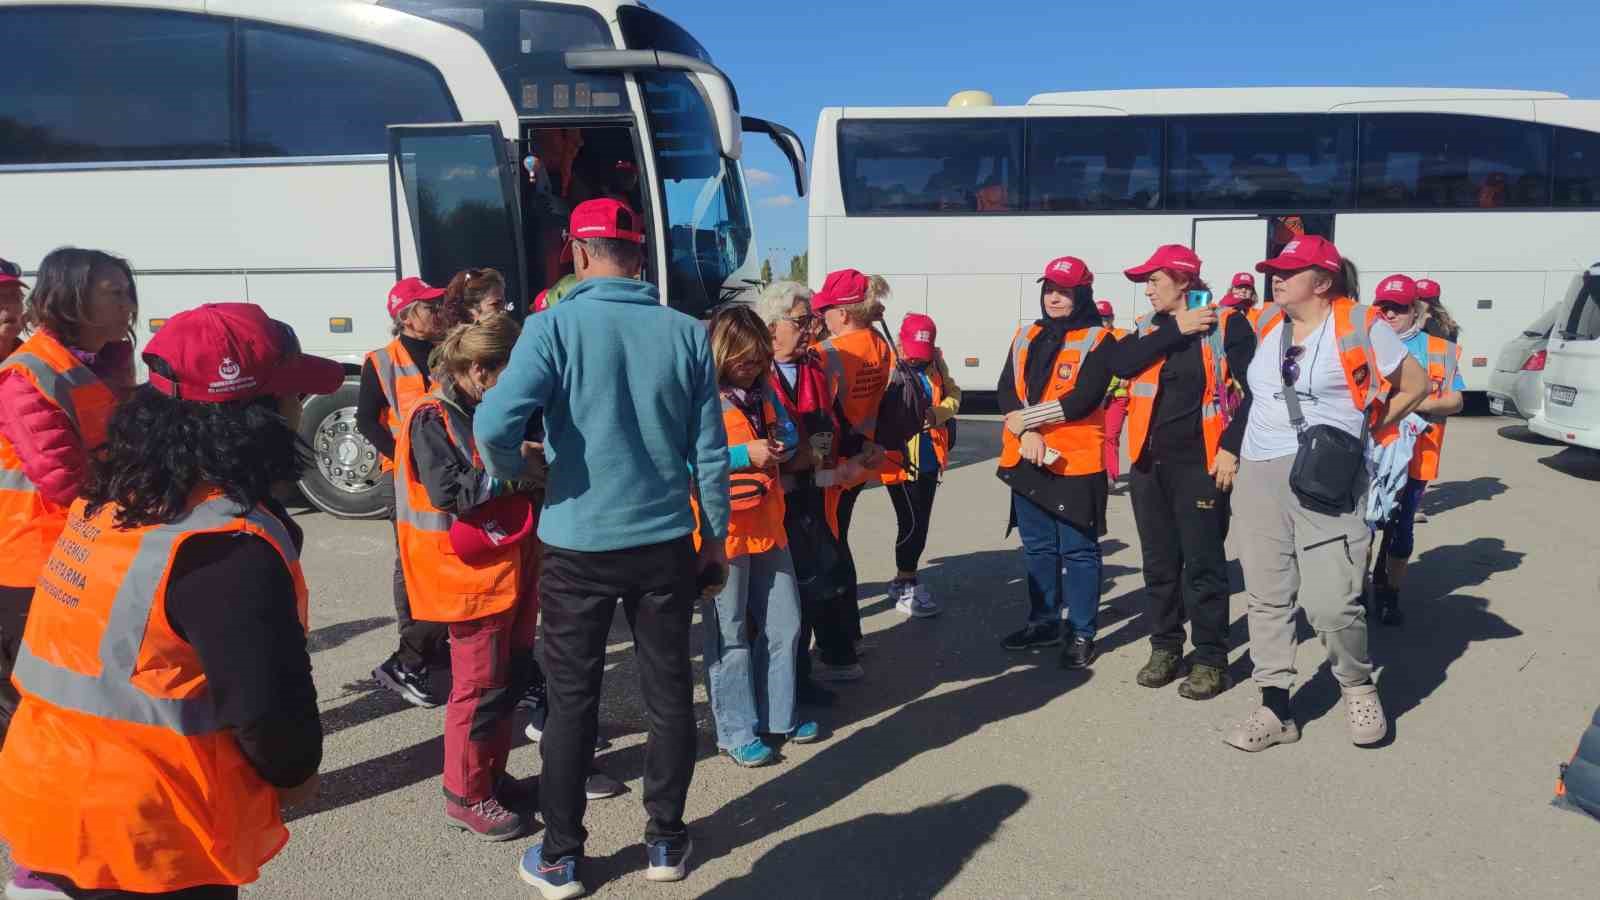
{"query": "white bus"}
(304, 155)
(1494, 194)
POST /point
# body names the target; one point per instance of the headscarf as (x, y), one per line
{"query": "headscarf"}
(1046, 346)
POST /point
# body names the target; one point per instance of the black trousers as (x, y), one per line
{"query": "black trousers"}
(14, 603)
(1182, 520)
(578, 595)
(850, 604)
(421, 643)
(913, 508)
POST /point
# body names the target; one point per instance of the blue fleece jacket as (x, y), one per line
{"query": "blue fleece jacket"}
(631, 412)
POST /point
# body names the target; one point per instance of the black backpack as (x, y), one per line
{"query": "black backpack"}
(903, 412)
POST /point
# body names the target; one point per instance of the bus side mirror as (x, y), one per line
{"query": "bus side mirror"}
(714, 86)
(788, 142)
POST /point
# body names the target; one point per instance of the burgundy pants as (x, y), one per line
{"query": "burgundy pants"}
(490, 664)
(1116, 414)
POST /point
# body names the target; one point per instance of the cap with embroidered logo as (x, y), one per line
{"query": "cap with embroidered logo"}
(1397, 289)
(1307, 251)
(1067, 272)
(227, 352)
(1176, 257)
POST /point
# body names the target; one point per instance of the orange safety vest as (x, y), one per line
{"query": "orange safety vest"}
(116, 772)
(30, 524)
(755, 499)
(1443, 360)
(1352, 330)
(441, 586)
(1146, 387)
(893, 472)
(858, 365)
(403, 384)
(1081, 444)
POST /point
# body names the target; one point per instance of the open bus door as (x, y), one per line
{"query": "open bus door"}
(453, 192)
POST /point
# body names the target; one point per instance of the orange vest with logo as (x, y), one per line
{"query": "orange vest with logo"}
(402, 383)
(1146, 387)
(1079, 445)
(29, 524)
(755, 523)
(1443, 360)
(442, 587)
(1352, 331)
(116, 772)
(895, 473)
(858, 365)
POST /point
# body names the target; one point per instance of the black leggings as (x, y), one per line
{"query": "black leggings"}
(14, 603)
(203, 892)
(913, 508)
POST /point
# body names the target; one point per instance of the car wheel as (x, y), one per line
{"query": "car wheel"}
(345, 478)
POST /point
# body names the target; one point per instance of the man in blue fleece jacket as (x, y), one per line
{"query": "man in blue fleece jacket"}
(631, 413)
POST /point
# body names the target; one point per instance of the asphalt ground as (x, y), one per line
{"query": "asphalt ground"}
(959, 770)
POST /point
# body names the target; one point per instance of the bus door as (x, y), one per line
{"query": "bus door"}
(1228, 245)
(560, 165)
(453, 196)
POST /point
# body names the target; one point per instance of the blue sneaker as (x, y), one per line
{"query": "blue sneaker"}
(669, 859)
(806, 733)
(555, 881)
(753, 755)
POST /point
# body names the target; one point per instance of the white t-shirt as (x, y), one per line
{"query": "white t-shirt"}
(1323, 390)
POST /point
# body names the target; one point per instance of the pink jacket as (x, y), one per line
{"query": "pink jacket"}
(52, 453)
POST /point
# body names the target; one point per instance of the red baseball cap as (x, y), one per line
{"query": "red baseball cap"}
(1067, 272)
(1167, 256)
(917, 336)
(10, 273)
(411, 290)
(1244, 279)
(1427, 289)
(1397, 289)
(1105, 308)
(1304, 252)
(840, 288)
(483, 533)
(226, 352)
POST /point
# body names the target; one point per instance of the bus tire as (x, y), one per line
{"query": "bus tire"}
(344, 477)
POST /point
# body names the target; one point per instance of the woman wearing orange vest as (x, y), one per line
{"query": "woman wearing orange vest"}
(1241, 297)
(1325, 363)
(168, 713)
(1052, 455)
(752, 626)
(857, 361)
(911, 474)
(57, 392)
(481, 589)
(1181, 362)
(1399, 303)
(393, 379)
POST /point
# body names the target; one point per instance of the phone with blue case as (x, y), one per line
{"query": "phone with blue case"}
(1199, 299)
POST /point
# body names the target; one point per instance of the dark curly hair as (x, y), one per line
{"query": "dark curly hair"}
(160, 449)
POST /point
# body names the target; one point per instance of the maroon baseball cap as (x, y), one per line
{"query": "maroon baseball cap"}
(1067, 272)
(1397, 289)
(481, 534)
(1427, 289)
(1304, 252)
(10, 273)
(840, 288)
(1104, 308)
(226, 352)
(411, 290)
(918, 334)
(1167, 256)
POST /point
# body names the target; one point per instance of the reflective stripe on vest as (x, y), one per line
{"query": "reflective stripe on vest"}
(1146, 387)
(459, 425)
(56, 386)
(1079, 443)
(15, 480)
(111, 694)
(1353, 334)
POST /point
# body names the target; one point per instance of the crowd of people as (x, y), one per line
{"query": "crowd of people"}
(609, 451)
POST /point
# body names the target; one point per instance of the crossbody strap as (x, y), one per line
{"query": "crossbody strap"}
(1291, 398)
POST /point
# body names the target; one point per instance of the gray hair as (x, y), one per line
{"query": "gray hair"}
(778, 298)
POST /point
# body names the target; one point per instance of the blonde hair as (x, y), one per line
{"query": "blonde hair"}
(869, 309)
(738, 334)
(487, 343)
(1438, 313)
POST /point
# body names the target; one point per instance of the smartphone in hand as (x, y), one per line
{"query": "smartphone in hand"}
(1199, 299)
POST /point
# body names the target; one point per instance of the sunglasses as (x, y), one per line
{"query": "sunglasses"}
(1291, 364)
(1392, 309)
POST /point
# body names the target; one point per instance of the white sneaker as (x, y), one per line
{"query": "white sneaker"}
(913, 601)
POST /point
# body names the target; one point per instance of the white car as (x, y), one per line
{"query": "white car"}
(1516, 388)
(1572, 369)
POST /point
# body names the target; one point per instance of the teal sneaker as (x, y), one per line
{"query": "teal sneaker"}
(753, 755)
(806, 733)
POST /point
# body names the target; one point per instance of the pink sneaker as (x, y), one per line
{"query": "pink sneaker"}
(25, 885)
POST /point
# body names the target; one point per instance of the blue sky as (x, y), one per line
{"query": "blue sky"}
(790, 59)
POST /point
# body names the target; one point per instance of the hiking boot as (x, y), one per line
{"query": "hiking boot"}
(668, 859)
(1261, 730)
(1033, 637)
(1078, 653)
(1203, 683)
(1163, 668)
(488, 819)
(555, 880)
(411, 684)
(1389, 607)
(1368, 724)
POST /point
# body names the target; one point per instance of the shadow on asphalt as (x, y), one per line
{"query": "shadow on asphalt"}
(339, 633)
(1579, 462)
(1444, 496)
(1522, 434)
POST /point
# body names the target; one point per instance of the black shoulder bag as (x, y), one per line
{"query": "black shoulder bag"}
(1329, 465)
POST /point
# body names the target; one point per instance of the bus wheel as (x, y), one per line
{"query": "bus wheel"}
(345, 477)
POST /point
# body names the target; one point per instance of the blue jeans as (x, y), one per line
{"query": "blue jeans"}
(1400, 532)
(1063, 565)
(751, 680)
